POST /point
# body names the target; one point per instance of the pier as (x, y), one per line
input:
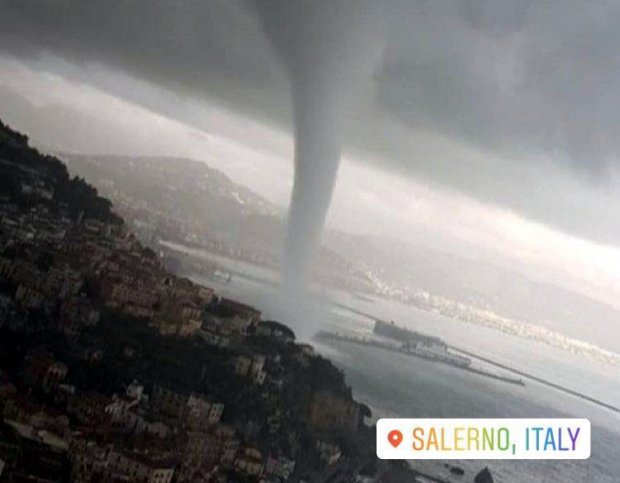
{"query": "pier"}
(449, 359)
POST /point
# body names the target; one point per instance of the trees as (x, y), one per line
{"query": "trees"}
(23, 163)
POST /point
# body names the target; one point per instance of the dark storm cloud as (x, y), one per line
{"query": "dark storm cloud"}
(540, 78)
(195, 47)
(517, 79)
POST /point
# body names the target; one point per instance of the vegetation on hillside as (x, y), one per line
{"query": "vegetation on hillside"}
(20, 164)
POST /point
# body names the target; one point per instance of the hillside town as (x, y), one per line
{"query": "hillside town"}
(114, 369)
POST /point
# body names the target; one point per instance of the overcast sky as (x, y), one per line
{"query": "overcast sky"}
(487, 126)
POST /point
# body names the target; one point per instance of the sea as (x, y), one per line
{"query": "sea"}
(396, 385)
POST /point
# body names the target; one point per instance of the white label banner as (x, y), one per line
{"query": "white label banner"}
(483, 439)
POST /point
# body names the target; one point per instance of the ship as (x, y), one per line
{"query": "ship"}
(420, 345)
(390, 330)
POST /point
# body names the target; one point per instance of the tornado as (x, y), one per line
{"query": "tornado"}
(328, 48)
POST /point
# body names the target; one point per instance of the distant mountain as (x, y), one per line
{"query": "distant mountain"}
(189, 181)
(184, 200)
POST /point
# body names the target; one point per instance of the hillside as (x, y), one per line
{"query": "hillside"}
(29, 177)
(114, 368)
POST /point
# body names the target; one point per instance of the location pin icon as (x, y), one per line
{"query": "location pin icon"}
(395, 437)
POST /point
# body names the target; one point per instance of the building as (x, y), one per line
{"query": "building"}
(330, 453)
(232, 308)
(202, 413)
(132, 297)
(168, 402)
(44, 452)
(88, 408)
(139, 467)
(249, 461)
(328, 412)
(62, 282)
(43, 371)
(257, 371)
(206, 295)
(282, 468)
(243, 365)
